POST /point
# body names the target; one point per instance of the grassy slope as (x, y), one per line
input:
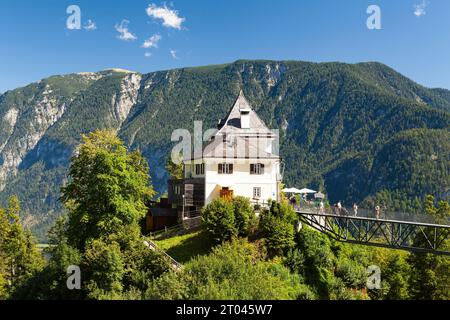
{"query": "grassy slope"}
(187, 246)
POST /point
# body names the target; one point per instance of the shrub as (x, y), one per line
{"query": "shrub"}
(244, 215)
(105, 266)
(277, 227)
(219, 220)
(352, 273)
(295, 261)
(231, 271)
(318, 261)
(283, 211)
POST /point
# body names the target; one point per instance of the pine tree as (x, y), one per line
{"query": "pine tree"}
(430, 277)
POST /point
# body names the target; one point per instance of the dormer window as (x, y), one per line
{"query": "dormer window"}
(256, 168)
(245, 118)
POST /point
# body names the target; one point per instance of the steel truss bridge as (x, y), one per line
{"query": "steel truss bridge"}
(384, 232)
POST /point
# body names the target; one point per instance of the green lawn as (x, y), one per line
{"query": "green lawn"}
(187, 246)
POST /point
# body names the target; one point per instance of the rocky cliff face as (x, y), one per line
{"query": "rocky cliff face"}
(335, 121)
(125, 100)
(33, 122)
(46, 110)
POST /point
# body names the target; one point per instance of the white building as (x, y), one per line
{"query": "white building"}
(241, 159)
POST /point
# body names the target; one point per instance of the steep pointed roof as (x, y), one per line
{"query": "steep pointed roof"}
(238, 148)
(236, 142)
(232, 123)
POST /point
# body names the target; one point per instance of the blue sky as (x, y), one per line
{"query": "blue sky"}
(35, 42)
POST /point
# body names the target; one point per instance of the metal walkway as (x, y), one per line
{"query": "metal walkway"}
(384, 232)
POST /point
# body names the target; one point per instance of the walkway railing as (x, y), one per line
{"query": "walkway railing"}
(152, 246)
(387, 231)
(192, 214)
(367, 213)
(165, 231)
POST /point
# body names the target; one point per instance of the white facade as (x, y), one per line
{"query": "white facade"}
(259, 188)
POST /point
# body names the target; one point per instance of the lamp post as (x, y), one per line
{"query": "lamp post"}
(183, 207)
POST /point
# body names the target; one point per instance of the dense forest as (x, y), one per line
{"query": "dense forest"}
(361, 133)
(242, 256)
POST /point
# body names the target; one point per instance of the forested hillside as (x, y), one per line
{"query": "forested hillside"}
(359, 132)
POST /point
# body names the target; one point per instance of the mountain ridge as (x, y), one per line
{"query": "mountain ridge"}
(336, 120)
(441, 90)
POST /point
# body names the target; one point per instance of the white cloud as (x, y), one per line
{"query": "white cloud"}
(148, 54)
(125, 34)
(170, 18)
(173, 53)
(90, 25)
(152, 42)
(420, 9)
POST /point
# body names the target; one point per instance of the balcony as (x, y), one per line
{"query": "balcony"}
(193, 190)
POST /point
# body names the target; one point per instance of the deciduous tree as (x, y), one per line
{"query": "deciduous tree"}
(219, 220)
(107, 190)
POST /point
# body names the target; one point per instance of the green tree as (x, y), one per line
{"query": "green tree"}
(105, 270)
(175, 167)
(430, 276)
(352, 273)
(19, 257)
(105, 200)
(4, 231)
(51, 282)
(245, 218)
(395, 278)
(277, 227)
(219, 220)
(319, 261)
(107, 190)
(142, 267)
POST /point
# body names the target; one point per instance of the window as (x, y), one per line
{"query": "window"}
(225, 168)
(188, 171)
(256, 168)
(200, 169)
(256, 193)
